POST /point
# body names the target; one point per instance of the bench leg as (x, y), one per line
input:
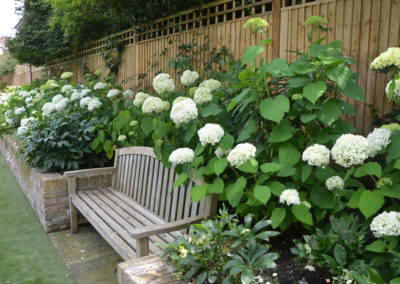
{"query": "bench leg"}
(142, 247)
(73, 217)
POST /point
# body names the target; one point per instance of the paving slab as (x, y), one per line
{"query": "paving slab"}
(88, 256)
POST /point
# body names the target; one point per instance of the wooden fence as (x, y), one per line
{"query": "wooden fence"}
(365, 27)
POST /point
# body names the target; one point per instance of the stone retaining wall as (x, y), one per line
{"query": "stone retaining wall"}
(47, 193)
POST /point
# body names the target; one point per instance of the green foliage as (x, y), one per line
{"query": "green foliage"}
(7, 65)
(223, 250)
(36, 42)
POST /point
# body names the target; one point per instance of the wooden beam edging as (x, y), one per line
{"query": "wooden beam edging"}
(276, 28)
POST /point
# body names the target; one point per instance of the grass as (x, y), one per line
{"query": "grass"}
(26, 252)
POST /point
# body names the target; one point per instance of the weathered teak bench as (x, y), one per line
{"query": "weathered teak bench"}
(138, 210)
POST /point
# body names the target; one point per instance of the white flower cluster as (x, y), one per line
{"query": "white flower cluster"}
(396, 91)
(61, 105)
(153, 104)
(163, 83)
(28, 100)
(178, 99)
(388, 58)
(113, 93)
(66, 89)
(66, 75)
(386, 224)
(202, 95)
(241, 154)
(99, 86)
(184, 111)
(181, 156)
(26, 121)
(140, 98)
(289, 197)
(377, 140)
(19, 110)
(76, 95)
(24, 94)
(335, 182)
(48, 108)
(94, 103)
(189, 78)
(24, 128)
(85, 92)
(128, 94)
(317, 155)
(350, 150)
(84, 102)
(56, 99)
(211, 133)
(220, 153)
(210, 84)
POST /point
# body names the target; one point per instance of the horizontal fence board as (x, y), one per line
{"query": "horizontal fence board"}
(365, 27)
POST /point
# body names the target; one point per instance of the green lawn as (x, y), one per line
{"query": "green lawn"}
(26, 252)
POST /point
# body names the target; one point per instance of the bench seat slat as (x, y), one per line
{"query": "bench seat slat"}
(124, 250)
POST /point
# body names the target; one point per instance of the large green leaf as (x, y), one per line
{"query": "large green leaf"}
(301, 67)
(235, 192)
(276, 187)
(250, 166)
(288, 154)
(302, 213)
(217, 186)
(353, 91)
(371, 168)
(282, 132)
(211, 110)
(227, 141)
(147, 125)
(270, 167)
(340, 254)
(298, 81)
(251, 53)
(370, 202)
(377, 246)
(246, 132)
(322, 198)
(274, 109)
(180, 180)
(277, 216)
(220, 166)
(329, 112)
(340, 74)
(394, 147)
(312, 91)
(198, 192)
(262, 193)
(278, 67)
(238, 98)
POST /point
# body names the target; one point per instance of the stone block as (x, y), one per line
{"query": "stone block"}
(55, 194)
(56, 201)
(146, 270)
(51, 182)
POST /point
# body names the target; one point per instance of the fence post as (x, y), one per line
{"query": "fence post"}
(276, 28)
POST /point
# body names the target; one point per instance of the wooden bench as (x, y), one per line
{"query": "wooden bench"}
(140, 208)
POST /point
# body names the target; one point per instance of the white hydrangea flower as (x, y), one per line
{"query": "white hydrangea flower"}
(167, 105)
(76, 96)
(386, 224)
(189, 78)
(241, 154)
(26, 121)
(220, 153)
(140, 98)
(24, 94)
(377, 140)
(33, 92)
(181, 156)
(84, 101)
(22, 130)
(19, 110)
(94, 104)
(317, 155)
(184, 111)
(153, 104)
(28, 100)
(335, 182)
(48, 108)
(61, 105)
(350, 150)
(211, 133)
(396, 91)
(128, 94)
(66, 75)
(99, 86)
(113, 93)
(202, 95)
(163, 83)
(178, 99)
(211, 84)
(388, 58)
(289, 197)
(57, 99)
(85, 92)
(66, 89)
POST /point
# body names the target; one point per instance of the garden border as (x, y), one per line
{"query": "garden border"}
(46, 192)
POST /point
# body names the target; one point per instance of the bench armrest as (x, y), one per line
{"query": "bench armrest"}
(89, 172)
(165, 228)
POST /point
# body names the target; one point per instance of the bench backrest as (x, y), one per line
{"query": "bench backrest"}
(143, 178)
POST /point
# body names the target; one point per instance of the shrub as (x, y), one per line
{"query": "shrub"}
(7, 65)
